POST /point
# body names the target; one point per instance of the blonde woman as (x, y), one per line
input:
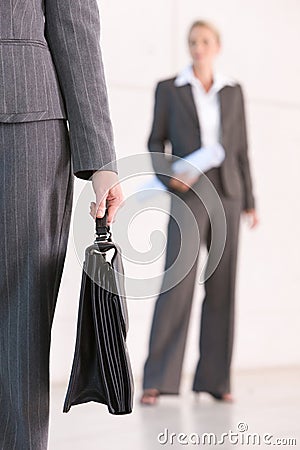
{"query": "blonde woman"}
(199, 107)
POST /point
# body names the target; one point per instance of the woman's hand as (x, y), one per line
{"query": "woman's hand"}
(252, 218)
(183, 181)
(108, 194)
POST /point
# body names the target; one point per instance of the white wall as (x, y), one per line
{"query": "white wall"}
(143, 42)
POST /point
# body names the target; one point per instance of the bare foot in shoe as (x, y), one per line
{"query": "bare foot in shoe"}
(149, 396)
(228, 397)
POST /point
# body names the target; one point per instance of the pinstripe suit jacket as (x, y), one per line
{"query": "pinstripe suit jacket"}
(175, 120)
(51, 67)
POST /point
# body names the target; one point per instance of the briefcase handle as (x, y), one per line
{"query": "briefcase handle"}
(102, 229)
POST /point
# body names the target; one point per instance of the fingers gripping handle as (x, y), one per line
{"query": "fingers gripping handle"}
(102, 229)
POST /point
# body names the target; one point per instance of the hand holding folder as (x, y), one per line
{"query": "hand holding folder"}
(194, 164)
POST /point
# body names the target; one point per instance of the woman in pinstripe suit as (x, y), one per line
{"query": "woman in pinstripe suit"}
(199, 108)
(54, 124)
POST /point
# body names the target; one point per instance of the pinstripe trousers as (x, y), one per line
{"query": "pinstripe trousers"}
(163, 366)
(36, 193)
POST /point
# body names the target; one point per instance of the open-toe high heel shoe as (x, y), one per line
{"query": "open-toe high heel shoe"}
(227, 397)
(149, 397)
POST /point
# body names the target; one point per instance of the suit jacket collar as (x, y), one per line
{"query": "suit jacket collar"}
(186, 94)
(184, 81)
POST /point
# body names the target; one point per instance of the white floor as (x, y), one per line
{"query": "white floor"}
(267, 401)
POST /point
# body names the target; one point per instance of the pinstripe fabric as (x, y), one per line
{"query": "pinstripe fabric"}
(27, 82)
(172, 311)
(36, 187)
(51, 67)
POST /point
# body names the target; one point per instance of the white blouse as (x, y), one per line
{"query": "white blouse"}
(207, 103)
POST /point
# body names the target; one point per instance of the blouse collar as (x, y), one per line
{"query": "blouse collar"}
(186, 76)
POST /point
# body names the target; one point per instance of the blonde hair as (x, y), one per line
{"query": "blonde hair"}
(206, 24)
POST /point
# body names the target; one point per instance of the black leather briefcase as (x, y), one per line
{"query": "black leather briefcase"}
(101, 370)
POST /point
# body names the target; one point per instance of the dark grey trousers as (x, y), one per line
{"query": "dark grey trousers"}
(36, 192)
(163, 366)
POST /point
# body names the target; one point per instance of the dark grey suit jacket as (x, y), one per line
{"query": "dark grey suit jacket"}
(176, 121)
(51, 67)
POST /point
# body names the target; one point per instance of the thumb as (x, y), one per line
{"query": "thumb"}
(100, 207)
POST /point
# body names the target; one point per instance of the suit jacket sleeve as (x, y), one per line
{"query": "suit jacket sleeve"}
(72, 30)
(249, 200)
(159, 135)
